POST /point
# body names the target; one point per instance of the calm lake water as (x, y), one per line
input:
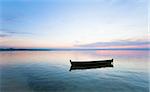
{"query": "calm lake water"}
(48, 71)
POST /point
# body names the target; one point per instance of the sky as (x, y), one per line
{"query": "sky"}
(74, 23)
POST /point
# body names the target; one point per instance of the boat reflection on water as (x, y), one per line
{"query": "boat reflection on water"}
(90, 64)
(89, 67)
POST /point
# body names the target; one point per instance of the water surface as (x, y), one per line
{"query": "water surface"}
(48, 71)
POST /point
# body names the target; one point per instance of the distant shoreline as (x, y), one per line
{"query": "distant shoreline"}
(32, 49)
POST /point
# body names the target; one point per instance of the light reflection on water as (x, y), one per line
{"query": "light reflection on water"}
(48, 71)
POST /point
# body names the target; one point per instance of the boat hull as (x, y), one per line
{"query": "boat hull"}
(75, 65)
(91, 63)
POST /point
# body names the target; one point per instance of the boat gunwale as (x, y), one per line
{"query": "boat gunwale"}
(92, 61)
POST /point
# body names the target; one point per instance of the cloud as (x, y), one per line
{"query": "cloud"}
(19, 32)
(8, 32)
(9, 19)
(119, 44)
(3, 35)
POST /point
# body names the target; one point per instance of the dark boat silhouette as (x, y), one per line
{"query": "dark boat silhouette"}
(90, 64)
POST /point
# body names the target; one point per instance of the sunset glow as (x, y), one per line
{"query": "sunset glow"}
(75, 23)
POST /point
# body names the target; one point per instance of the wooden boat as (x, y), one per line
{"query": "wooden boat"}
(78, 65)
(91, 63)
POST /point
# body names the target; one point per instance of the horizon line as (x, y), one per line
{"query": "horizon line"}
(67, 49)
